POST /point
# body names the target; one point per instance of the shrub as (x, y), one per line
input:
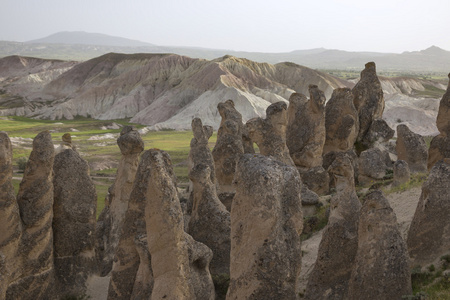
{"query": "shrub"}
(22, 163)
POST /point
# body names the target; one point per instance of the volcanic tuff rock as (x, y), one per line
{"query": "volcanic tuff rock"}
(440, 145)
(10, 222)
(379, 132)
(371, 166)
(229, 145)
(132, 276)
(180, 264)
(316, 179)
(74, 221)
(305, 133)
(381, 268)
(411, 147)
(368, 99)
(401, 172)
(35, 199)
(199, 151)
(210, 220)
(429, 234)
(337, 250)
(111, 219)
(341, 121)
(266, 223)
(270, 133)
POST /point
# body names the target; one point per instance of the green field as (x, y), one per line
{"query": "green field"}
(97, 152)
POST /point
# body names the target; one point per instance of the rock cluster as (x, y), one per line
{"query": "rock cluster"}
(429, 234)
(266, 222)
(305, 134)
(412, 148)
(270, 133)
(337, 250)
(371, 166)
(401, 173)
(440, 144)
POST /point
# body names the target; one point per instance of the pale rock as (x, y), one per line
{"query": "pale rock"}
(412, 148)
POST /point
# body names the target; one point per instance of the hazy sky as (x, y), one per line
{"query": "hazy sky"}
(247, 25)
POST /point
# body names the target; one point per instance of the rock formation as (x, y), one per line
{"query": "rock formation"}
(379, 132)
(401, 173)
(10, 222)
(316, 179)
(35, 199)
(381, 268)
(180, 264)
(371, 166)
(266, 223)
(411, 147)
(305, 133)
(66, 143)
(341, 122)
(368, 99)
(132, 276)
(111, 219)
(429, 234)
(440, 144)
(337, 251)
(270, 133)
(200, 152)
(229, 145)
(74, 222)
(210, 220)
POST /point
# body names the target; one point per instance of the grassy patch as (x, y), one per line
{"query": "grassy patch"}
(314, 223)
(416, 180)
(434, 283)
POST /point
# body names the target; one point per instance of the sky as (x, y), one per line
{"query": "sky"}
(241, 25)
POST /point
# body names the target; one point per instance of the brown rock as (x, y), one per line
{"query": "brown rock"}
(368, 99)
(266, 223)
(411, 147)
(330, 157)
(341, 122)
(316, 179)
(180, 265)
(35, 199)
(229, 145)
(381, 268)
(132, 276)
(210, 220)
(270, 133)
(401, 173)
(371, 166)
(337, 250)
(429, 234)
(10, 223)
(443, 117)
(379, 132)
(305, 134)
(439, 150)
(199, 152)
(111, 219)
(74, 221)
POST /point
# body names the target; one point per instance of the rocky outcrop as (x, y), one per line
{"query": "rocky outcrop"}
(379, 132)
(337, 249)
(440, 144)
(111, 219)
(210, 220)
(412, 148)
(429, 234)
(229, 145)
(199, 152)
(368, 99)
(270, 133)
(371, 166)
(381, 269)
(132, 276)
(341, 121)
(266, 223)
(74, 222)
(316, 179)
(10, 223)
(180, 264)
(35, 199)
(401, 173)
(305, 133)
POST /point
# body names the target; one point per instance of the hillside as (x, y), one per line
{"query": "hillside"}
(156, 88)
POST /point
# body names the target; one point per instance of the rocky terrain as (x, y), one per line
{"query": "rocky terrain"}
(154, 240)
(168, 91)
